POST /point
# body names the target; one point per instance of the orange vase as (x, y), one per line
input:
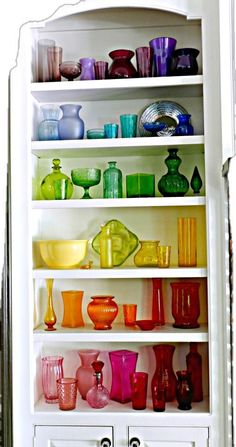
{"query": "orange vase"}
(72, 300)
(102, 311)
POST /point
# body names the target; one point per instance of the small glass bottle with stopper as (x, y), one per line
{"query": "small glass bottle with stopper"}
(98, 396)
(48, 183)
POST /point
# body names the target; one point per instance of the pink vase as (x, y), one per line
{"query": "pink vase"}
(52, 370)
(85, 373)
(123, 363)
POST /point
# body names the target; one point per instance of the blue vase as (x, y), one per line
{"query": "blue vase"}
(48, 128)
(184, 127)
(71, 126)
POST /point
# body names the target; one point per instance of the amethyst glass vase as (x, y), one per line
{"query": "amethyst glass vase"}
(163, 48)
(123, 363)
(122, 67)
(71, 126)
(184, 62)
(87, 69)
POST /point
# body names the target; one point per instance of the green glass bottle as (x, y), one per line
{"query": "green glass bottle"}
(48, 186)
(173, 183)
(112, 182)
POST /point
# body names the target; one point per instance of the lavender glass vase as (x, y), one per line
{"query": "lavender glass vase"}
(123, 363)
(87, 67)
(71, 126)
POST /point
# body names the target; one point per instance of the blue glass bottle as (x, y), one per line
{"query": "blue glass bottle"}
(184, 127)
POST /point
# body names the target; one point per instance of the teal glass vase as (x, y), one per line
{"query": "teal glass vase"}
(112, 182)
(173, 183)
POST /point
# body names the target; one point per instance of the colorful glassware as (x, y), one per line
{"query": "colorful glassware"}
(47, 186)
(157, 302)
(121, 67)
(85, 372)
(184, 62)
(98, 396)
(146, 256)
(185, 304)
(194, 366)
(102, 310)
(71, 126)
(196, 181)
(106, 252)
(158, 393)
(72, 301)
(54, 61)
(123, 363)
(67, 392)
(173, 184)
(144, 59)
(70, 70)
(86, 178)
(50, 318)
(184, 127)
(184, 390)
(101, 69)
(52, 369)
(139, 382)
(112, 182)
(163, 48)
(140, 185)
(87, 69)
(48, 128)
(187, 241)
(128, 124)
(164, 370)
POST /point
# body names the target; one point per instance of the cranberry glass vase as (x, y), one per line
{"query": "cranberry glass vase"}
(184, 390)
(194, 366)
(52, 370)
(185, 304)
(102, 311)
(123, 363)
(164, 370)
(157, 302)
(85, 372)
(122, 67)
(98, 395)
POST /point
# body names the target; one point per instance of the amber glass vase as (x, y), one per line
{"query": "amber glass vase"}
(102, 311)
(50, 318)
(164, 372)
(72, 300)
(187, 241)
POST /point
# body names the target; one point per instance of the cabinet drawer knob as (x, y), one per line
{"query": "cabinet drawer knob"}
(134, 442)
(105, 442)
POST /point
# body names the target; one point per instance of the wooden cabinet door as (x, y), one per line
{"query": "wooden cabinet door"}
(169, 436)
(68, 436)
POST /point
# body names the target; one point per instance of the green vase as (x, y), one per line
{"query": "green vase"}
(48, 185)
(196, 181)
(173, 183)
(112, 182)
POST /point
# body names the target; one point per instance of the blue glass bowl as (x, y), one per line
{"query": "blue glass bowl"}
(154, 127)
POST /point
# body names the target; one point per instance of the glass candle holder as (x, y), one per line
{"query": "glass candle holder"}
(67, 392)
(101, 70)
(139, 381)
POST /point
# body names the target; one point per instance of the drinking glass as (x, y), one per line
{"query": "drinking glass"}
(163, 256)
(111, 130)
(54, 61)
(129, 311)
(67, 392)
(43, 71)
(139, 381)
(61, 188)
(101, 70)
(52, 370)
(128, 125)
(144, 57)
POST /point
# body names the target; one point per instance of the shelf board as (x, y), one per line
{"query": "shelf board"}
(121, 333)
(121, 147)
(120, 203)
(117, 89)
(120, 273)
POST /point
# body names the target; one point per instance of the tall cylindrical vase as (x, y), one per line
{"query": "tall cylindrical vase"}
(164, 370)
(71, 126)
(72, 301)
(85, 373)
(187, 242)
(123, 363)
(52, 369)
(157, 302)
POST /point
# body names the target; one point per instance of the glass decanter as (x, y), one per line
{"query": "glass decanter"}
(47, 185)
(112, 182)
(173, 184)
(98, 396)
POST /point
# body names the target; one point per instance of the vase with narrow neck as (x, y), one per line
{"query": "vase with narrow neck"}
(194, 366)
(50, 318)
(71, 126)
(164, 370)
(48, 183)
(72, 302)
(184, 390)
(146, 256)
(122, 67)
(85, 373)
(184, 127)
(157, 302)
(196, 181)
(112, 182)
(98, 396)
(173, 184)
(123, 363)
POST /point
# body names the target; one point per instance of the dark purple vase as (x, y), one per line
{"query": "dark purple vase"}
(184, 62)
(122, 67)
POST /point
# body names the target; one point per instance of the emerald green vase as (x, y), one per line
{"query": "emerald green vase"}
(173, 183)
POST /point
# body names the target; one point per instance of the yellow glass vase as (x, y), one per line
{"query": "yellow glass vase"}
(147, 255)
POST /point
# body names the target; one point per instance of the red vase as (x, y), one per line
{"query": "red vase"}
(157, 302)
(122, 67)
(164, 371)
(184, 390)
(194, 366)
(185, 304)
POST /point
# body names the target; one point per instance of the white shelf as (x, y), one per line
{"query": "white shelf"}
(120, 333)
(117, 89)
(122, 272)
(121, 147)
(120, 203)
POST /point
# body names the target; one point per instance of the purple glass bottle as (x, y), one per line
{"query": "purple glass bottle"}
(123, 363)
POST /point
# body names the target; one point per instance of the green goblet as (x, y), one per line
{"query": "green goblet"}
(86, 177)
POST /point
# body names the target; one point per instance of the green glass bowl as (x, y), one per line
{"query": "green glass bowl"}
(124, 242)
(95, 134)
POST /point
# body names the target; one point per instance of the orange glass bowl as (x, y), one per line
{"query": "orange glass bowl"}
(146, 325)
(72, 301)
(102, 310)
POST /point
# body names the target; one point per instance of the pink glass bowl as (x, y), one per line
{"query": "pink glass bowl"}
(146, 325)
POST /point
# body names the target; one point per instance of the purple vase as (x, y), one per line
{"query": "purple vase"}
(87, 69)
(123, 363)
(71, 126)
(163, 48)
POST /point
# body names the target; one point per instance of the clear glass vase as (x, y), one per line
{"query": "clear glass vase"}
(48, 183)
(112, 182)
(71, 126)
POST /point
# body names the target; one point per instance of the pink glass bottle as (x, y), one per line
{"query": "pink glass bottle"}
(157, 302)
(52, 369)
(164, 370)
(85, 372)
(185, 304)
(194, 366)
(123, 363)
(98, 395)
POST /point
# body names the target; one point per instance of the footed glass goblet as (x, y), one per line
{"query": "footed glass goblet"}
(86, 177)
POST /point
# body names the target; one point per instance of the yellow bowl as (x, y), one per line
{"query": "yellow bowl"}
(63, 254)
